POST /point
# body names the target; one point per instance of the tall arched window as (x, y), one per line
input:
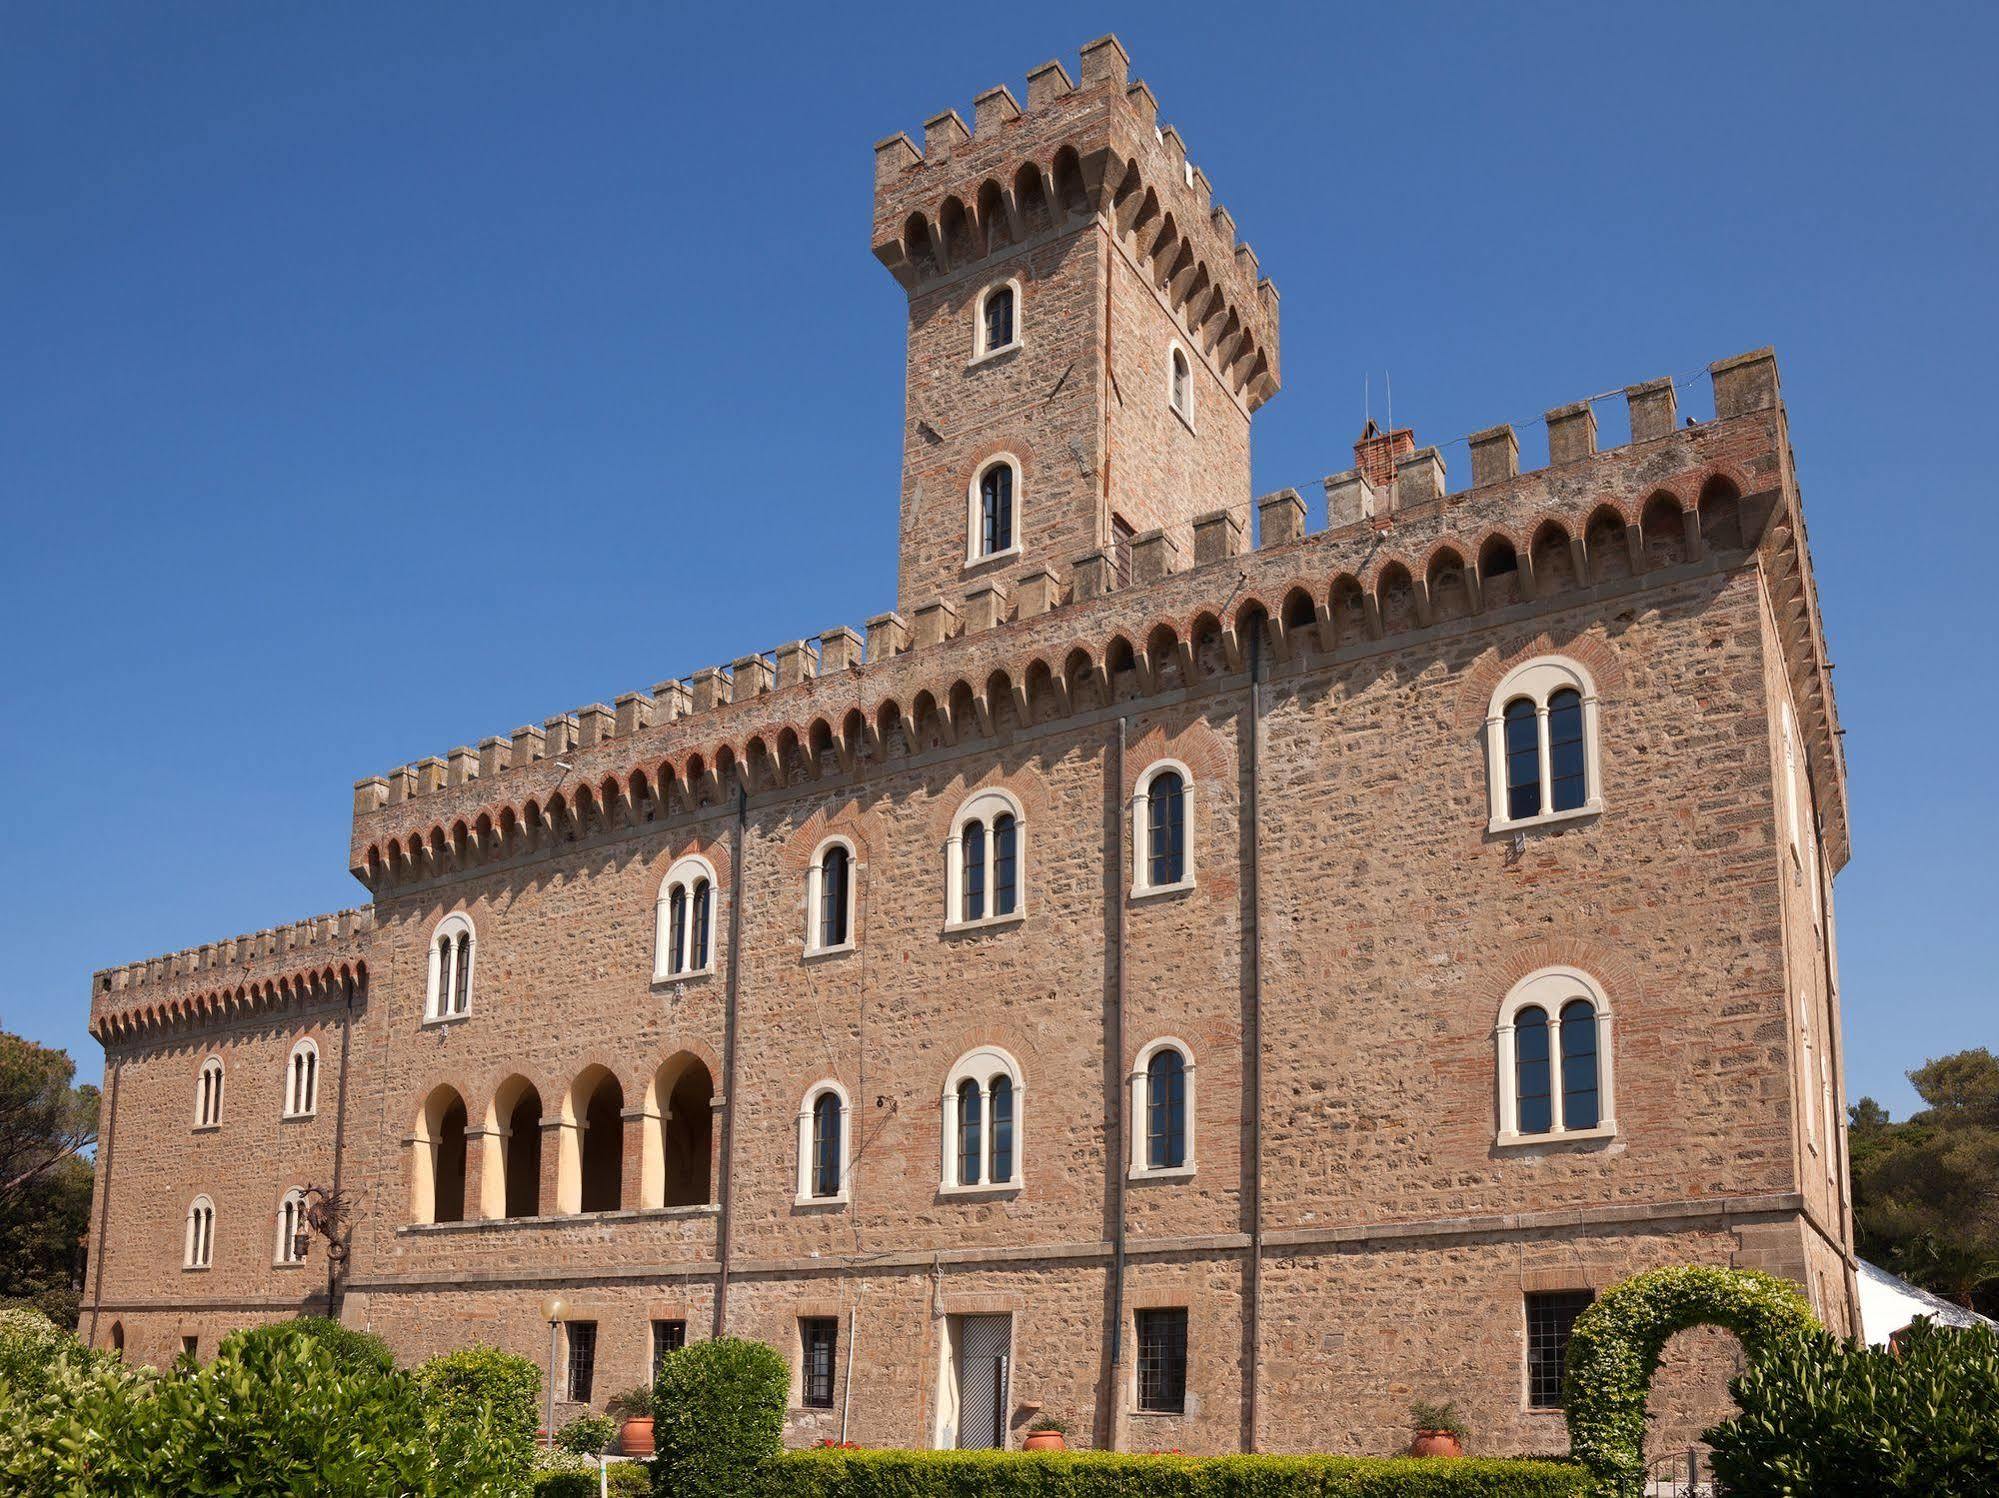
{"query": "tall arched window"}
(592, 1167)
(677, 1152)
(982, 1106)
(449, 994)
(291, 1227)
(998, 319)
(829, 897)
(1554, 1045)
(302, 1080)
(1162, 829)
(199, 1247)
(1162, 1110)
(822, 1145)
(985, 861)
(208, 1095)
(1180, 384)
(684, 921)
(991, 530)
(437, 1164)
(510, 1171)
(1542, 761)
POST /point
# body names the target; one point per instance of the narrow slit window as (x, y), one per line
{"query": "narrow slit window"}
(971, 1147)
(999, 319)
(1006, 884)
(677, 952)
(1002, 1102)
(996, 509)
(1166, 1111)
(826, 1145)
(1166, 829)
(974, 853)
(834, 870)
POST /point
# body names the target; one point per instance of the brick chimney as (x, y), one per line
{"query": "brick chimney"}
(1377, 452)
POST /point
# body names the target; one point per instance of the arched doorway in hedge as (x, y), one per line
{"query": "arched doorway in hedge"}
(1616, 1345)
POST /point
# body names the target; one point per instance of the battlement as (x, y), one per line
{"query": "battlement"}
(1079, 152)
(315, 957)
(1398, 553)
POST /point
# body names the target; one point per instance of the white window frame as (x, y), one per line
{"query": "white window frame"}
(291, 1222)
(980, 350)
(815, 891)
(1538, 680)
(208, 1095)
(441, 965)
(981, 1066)
(805, 1196)
(1141, 849)
(984, 806)
(1549, 989)
(975, 511)
(1177, 355)
(198, 1246)
(302, 1085)
(686, 872)
(1809, 1082)
(1791, 798)
(1139, 1170)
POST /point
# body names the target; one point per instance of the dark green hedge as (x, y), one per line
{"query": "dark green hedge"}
(1838, 1421)
(1000, 1474)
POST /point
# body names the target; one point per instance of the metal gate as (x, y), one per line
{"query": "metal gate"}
(983, 1344)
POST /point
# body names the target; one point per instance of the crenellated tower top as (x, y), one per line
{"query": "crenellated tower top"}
(1082, 316)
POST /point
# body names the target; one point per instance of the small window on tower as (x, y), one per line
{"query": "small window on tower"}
(1121, 538)
(998, 319)
(1180, 384)
(991, 521)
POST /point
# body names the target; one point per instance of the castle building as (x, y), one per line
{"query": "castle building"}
(1214, 990)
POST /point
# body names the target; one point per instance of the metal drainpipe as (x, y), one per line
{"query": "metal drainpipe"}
(725, 1226)
(1120, 1119)
(333, 1297)
(1835, 1052)
(1253, 1014)
(847, 1386)
(104, 1197)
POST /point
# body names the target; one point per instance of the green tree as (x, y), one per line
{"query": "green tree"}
(46, 1123)
(1926, 1190)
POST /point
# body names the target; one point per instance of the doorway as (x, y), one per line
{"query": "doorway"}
(979, 1369)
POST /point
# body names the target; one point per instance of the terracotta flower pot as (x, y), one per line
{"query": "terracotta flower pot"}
(635, 1436)
(1044, 1440)
(1436, 1443)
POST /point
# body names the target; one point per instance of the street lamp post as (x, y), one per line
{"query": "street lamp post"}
(553, 1310)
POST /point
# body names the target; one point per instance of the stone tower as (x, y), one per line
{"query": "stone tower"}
(1081, 316)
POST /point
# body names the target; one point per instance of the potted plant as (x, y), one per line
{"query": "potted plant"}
(1046, 1433)
(634, 1407)
(1440, 1429)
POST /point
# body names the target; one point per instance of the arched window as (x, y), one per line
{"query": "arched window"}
(200, 1243)
(1542, 762)
(1162, 1110)
(451, 952)
(291, 1228)
(1790, 788)
(437, 1165)
(1162, 829)
(982, 1106)
(1180, 384)
(208, 1095)
(998, 319)
(592, 1174)
(985, 861)
(684, 921)
(991, 531)
(829, 897)
(1554, 1058)
(822, 1145)
(510, 1176)
(302, 1080)
(676, 1166)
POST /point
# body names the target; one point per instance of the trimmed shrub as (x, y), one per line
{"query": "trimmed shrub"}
(833, 1473)
(718, 1414)
(563, 1474)
(588, 1435)
(1615, 1348)
(350, 1350)
(1842, 1421)
(272, 1414)
(475, 1384)
(629, 1480)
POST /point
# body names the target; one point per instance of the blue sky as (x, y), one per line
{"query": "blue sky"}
(377, 378)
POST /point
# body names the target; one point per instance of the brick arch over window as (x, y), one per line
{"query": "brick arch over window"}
(1555, 1059)
(452, 959)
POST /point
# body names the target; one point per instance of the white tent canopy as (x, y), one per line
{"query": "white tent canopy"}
(1888, 1305)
